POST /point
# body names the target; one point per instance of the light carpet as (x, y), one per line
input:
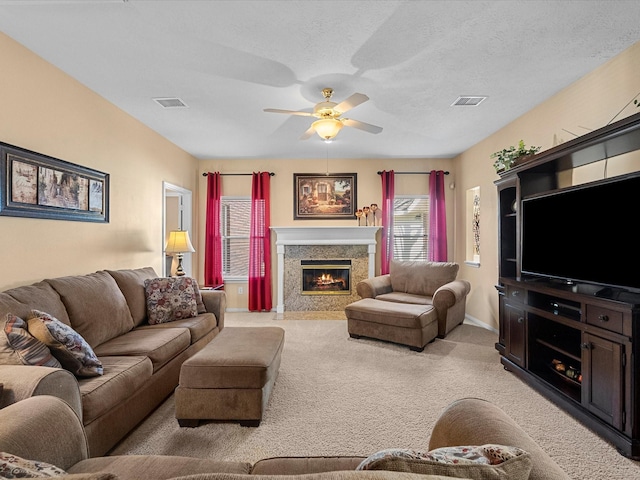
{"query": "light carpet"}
(340, 396)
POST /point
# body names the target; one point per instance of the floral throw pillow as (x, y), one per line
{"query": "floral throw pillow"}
(170, 299)
(67, 345)
(19, 347)
(12, 466)
(484, 462)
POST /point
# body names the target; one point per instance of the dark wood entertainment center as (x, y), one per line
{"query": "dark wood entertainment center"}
(574, 343)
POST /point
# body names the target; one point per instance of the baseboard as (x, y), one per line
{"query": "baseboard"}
(474, 321)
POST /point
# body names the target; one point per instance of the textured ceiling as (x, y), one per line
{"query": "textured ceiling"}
(228, 60)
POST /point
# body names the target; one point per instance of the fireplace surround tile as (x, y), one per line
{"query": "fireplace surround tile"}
(294, 300)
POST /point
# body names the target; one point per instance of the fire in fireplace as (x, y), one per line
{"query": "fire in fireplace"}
(326, 277)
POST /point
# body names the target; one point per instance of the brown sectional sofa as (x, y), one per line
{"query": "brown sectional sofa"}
(141, 361)
(31, 429)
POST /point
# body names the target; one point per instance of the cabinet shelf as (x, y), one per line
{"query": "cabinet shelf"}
(557, 381)
(561, 375)
(561, 308)
(557, 349)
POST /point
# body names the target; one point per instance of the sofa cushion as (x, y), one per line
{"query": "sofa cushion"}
(401, 297)
(157, 466)
(131, 283)
(97, 307)
(302, 465)
(19, 347)
(332, 475)
(12, 466)
(402, 315)
(421, 278)
(123, 376)
(198, 326)
(160, 345)
(91, 476)
(475, 462)
(169, 299)
(39, 296)
(68, 346)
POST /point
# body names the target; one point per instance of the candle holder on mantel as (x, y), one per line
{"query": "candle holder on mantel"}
(374, 208)
(359, 214)
(365, 213)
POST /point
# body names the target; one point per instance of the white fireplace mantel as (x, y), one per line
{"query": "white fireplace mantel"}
(354, 235)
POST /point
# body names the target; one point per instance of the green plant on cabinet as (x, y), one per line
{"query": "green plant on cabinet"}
(505, 158)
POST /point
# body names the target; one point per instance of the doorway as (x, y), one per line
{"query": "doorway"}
(176, 215)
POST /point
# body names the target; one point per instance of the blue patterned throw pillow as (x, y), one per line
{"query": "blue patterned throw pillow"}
(67, 345)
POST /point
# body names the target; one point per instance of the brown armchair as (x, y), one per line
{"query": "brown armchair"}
(422, 283)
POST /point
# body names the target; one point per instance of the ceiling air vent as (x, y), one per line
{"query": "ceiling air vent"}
(468, 101)
(170, 102)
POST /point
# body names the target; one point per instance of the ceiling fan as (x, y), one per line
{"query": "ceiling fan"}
(329, 114)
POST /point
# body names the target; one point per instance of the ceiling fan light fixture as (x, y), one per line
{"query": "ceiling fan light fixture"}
(327, 128)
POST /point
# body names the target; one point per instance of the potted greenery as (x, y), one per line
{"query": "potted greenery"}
(507, 157)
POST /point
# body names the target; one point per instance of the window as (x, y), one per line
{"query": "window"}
(235, 227)
(411, 227)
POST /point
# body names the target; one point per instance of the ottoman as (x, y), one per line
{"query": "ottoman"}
(231, 378)
(404, 323)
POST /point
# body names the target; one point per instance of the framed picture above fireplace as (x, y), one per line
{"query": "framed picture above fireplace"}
(318, 196)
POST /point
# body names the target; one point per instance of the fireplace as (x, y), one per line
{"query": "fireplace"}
(324, 244)
(326, 277)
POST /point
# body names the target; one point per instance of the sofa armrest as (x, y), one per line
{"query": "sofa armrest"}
(43, 428)
(472, 421)
(215, 301)
(450, 302)
(450, 293)
(24, 381)
(372, 287)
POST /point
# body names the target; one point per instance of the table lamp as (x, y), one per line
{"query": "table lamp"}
(179, 243)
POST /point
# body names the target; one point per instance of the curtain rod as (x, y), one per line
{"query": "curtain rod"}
(411, 173)
(271, 174)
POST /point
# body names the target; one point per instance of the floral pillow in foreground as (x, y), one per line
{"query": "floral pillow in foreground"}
(12, 466)
(67, 345)
(484, 462)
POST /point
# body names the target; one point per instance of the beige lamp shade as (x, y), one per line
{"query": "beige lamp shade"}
(179, 242)
(327, 128)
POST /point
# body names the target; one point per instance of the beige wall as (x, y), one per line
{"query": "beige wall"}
(369, 190)
(592, 102)
(47, 111)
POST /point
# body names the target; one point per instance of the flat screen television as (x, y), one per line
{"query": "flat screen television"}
(586, 233)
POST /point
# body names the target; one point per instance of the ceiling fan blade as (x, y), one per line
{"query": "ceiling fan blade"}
(289, 112)
(353, 101)
(367, 127)
(308, 134)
